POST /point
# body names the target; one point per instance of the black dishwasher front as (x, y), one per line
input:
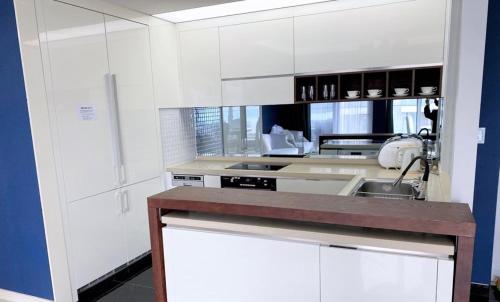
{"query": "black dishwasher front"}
(248, 182)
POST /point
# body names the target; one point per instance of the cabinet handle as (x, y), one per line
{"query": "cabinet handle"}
(125, 202)
(115, 128)
(118, 200)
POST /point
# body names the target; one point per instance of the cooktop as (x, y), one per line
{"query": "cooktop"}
(258, 166)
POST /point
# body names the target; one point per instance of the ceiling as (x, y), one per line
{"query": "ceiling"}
(153, 7)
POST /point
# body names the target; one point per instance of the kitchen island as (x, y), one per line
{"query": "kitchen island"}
(449, 220)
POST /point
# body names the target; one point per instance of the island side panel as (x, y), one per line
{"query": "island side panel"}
(463, 269)
(155, 231)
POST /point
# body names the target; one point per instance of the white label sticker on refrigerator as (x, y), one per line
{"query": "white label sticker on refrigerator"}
(87, 113)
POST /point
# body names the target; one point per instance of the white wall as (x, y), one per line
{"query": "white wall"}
(495, 269)
(464, 77)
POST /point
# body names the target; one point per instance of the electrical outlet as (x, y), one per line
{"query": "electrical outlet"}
(481, 135)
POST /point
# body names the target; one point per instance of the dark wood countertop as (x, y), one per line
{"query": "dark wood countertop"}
(415, 216)
(453, 219)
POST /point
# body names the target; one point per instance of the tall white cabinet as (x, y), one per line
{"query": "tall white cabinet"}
(100, 87)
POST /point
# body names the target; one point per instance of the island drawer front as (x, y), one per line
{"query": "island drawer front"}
(223, 267)
(358, 275)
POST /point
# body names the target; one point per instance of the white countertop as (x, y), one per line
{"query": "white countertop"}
(352, 169)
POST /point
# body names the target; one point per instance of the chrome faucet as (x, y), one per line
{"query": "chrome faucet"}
(422, 187)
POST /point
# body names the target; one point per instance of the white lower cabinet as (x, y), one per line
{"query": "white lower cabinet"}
(217, 267)
(108, 230)
(353, 275)
(97, 242)
(136, 222)
(211, 181)
(329, 187)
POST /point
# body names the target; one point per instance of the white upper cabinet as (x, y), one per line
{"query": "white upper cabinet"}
(260, 91)
(257, 49)
(405, 33)
(200, 68)
(164, 55)
(76, 47)
(130, 63)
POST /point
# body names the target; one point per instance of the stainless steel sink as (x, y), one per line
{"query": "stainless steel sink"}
(383, 188)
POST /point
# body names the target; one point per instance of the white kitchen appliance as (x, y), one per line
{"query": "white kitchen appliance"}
(398, 150)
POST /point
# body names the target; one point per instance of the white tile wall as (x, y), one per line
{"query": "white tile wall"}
(178, 135)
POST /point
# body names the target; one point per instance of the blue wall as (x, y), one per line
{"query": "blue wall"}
(488, 158)
(24, 263)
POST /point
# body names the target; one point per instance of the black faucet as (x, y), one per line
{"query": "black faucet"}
(422, 188)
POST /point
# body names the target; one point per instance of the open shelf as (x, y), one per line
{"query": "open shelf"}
(408, 82)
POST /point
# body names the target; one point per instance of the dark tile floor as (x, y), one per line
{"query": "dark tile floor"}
(137, 289)
(140, 289)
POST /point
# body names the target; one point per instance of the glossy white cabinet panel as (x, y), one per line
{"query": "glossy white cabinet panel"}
(96, 236)
(130, 62)
(261, 91)
(211, 181)
(136, 223)
(365, 276)
(329, 187)
(446, 269)
(164, 55)
(76, 45)
(257, 49)
(200, 68)
(218, 267)
(406, 33)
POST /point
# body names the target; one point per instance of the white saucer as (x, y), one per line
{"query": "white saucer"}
(404, 94)
(432, 93)
(352, 97)
(373, 96)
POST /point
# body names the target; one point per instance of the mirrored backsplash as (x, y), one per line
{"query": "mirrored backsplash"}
(295, 129)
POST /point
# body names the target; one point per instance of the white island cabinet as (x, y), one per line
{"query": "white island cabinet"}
(367, 276)
(396, 34)
(220, 267)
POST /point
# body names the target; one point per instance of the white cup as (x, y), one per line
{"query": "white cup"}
(401, 91)
(353, 93)
(374, 92)
(428, 89)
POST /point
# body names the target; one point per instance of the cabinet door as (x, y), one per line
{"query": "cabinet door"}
(78, 63)
(211, 181)
(130, 62)
(96, 236)
(264, 91)
(363, 276)
(257, 49)
(376, 36)
(135, 208)
(200, 67)
(218, 267)
(329, 187)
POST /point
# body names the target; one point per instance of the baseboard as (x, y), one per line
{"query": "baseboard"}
(482, 290)
(9, 296)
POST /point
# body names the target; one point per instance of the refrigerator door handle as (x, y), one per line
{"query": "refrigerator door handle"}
(115, 129)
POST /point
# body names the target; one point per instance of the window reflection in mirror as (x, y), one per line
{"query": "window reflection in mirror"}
(295, 129)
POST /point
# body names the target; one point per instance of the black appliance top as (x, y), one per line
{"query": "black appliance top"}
(257, 166)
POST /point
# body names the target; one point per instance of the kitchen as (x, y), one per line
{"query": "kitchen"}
(338, 133)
